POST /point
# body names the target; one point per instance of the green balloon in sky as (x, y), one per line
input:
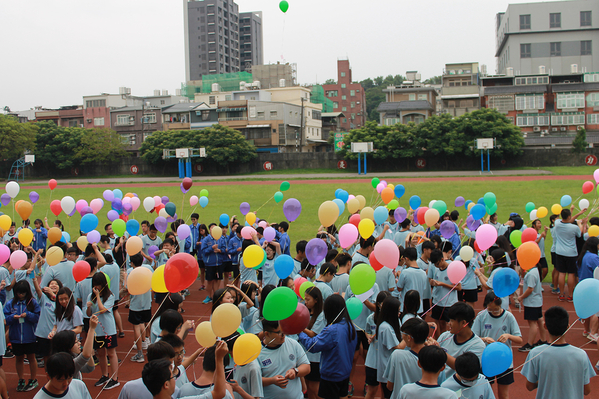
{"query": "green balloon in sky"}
(284, 6)
(278, 197)
(204, 193)
(284, 186)
(375, 182)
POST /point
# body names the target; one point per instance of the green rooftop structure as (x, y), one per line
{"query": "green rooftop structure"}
(317, 97)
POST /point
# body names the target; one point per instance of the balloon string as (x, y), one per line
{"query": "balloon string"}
(222, 295)
(256, 211)
(440, 300)
(51, 191)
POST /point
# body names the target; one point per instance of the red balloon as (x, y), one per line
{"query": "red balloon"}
(124, 217)
(81, 270)
(180, 272)
(529, 234)
(187, 183)
(376, 265)
(587, 187)
(52, 184)
(298, 283)
(55, 207)
(421, 211)
(159, 207)
(476, 248)
(297, 322)
(355, 219)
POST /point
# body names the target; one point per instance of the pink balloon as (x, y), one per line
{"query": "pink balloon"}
(379, 187)
(348, 234)
(157, 200)
(596, 175)
(486, 235)
(387, 253)
(456, 270)
(4, 253)
(263, 224)
(135, 203)
(247, 232)
(269, 234)
(351, 196)
(384, 183)
(80, 205)
(193, 200)
(18, 259)
(96, 205)
(126, 200)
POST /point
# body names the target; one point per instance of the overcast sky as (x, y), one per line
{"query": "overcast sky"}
(54, 52)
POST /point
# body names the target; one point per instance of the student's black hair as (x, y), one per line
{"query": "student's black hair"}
(467, 365)
(300, 246)
(411, 303)
(552, 219)
(269, 325)
(209, 363)
(245, 244)
(461, 311)
(306, 265)
(107, 225)
(282, 283)
(58, 224)
(104, 238)
(271, 246)
(146, 222)
(366, 243)
(435, 256)
(173, 340)
(328, 268)
(499, 258)
(170, 320)
(61, 245)
(380, 298)
(100, 279)
(60, 365)
(594, 221)
(490, 297)
(160, 350)
(93, 263)
(590, 245)
(343, 258)
(503, 243)
(195, 216)
(63, 341)
(315, 293)
(152, 227)
(432, 358)
(168, 241)
(136, 259)
(172, 301)
(155, 374)
(322, 236)
(13, 224)
(454, 215)
(284, 225)
(235, 227)
(265, 291)
(203, 226)
(260, 230)
(64, 312)
(23, 287)
(557, 321)
(248, 288)
(565, 213)
(390, 314)
(410, 253)
(38, 221)
(335, 311)
(331, 255)
(416, 328)
(71, 250)
(217, 298)
(447, 246)
(428, 245)
(437, 241)
(108, 259)
(405, 223)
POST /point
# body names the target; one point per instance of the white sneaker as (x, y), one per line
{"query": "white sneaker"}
(593, 337)
(139, 358)
(144, 345)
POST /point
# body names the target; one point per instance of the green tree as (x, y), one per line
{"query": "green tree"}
(99, 145)
(330, 82)
(15, 137)
(579, 145)
(435, 80)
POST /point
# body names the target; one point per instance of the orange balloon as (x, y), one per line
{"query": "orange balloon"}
(54, 235)
(528, 255)
(129, 195)
(387, 195)
(24, 209)
(17, 204)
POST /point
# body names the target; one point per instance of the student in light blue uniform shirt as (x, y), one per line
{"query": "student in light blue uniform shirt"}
(413, 278)
(467, 380)
(362, 254)
(402, 233)
(249, 378)
(140, 307)
(323, 282)
(444, 291)
(47, 319)
(431, 360)
(566, 252)
(532, 300)
(388, 339)
(62, 271)
(488, 282)
(341, 280)
(60, 368)
(148, 240)
(273, 250)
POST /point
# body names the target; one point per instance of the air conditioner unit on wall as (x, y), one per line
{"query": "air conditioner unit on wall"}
(536, 129)
(554, 129)
(89, 120)
(563, 129)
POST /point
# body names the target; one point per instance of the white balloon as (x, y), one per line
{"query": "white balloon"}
(164, 214)
(533, 214)
(466, 253)
(149, 203)
(12, 189)
(67, 204)
(430, 204)
(583, 204)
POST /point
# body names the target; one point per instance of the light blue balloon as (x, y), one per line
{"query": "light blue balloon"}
(340, 204)
(132, 227)
(481, 201)
(203, 201)
(380, 215)
(284, 266)
(478, 211)
(88, 223)
(467, 203)
(66, 237)
(399, 191)
(565, 201)
(497, 358)
(224, 219)
(415, 201)
(505, 282)
(586, 298)
(117, 193)
(343, 196)
(337, 193)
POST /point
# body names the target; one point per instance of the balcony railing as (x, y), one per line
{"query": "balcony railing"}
(236, 118)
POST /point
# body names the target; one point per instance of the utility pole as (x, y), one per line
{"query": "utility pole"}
(302, 125)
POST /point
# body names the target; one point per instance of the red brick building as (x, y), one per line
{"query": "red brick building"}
(347, 97)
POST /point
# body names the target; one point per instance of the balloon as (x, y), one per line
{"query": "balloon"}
(469, 204)
(447, 228)
(284, 265)
(180, 272)
(204, 201)
(541, 212)
(477, 211)
(376, 265)
(216, 232)
(187, 183)
(119, 227)
(5, 222)
(52, 184)
(297, 322)
(528, 255)
(5, 254)
(596, 175)
(367, 213)
(496, 359)
(415, 202)
(225, 320)
(247, 231)
(96, 205)
(297, 284)
(399, 191)
(400, 214)
(204, 334)
(361, 278)
(86, 210)
(305, 285)
(516, 238)
(292, 209)
(593, 231)
(556, 209)
(112, 215)
(18, 258)
(421, 212)
(466, 253)
(440, 206)
(53, 256)
(34, 197)
(151, 250)
(491, 210)
(459, 201)
(17, 204)
(66, 237)
(278, 197)
(5, 199)
(134, 245)
(586, 298)
(353, 205)
(82, 243)
(12, 189)
(566, 200)
(529, 234)
(203, 193)
(183, 231)
(529, 207)
(431, 217)
(533, 214)
(316, 250)
(149, 204)
(380, 215)
(354, 307)
(285, 185)
(244, 208)
(486, 235)
(375, 182)
(269, 233)
(583, 203)
(328, 213)
(380, 187)
(80, 205)
(505, 282)
(247, 347)
(489, 199)
(88, 223)
(348, 234)
(253, 255)
(93, 237)
(366, 228)
(361, 201)
(387, 253)
(355, 220)
(456, 271)
(54, 234)
(340, 204)
(108, 195)
(117, 193)
(279, 304)
(170, 208)
(393, 205)
(25, 237)
(67, 204)
(158, 284)
(250, 218)
(342, 195)
(587, 187)
(132, 227)
(387, 195)
(135, 202)
(193, 200)
(81, 270)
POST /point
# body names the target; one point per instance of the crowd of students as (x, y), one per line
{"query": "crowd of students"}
(48, 314)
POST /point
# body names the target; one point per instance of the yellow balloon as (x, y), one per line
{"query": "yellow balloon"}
(594, 231)
(328, 213)
(54, 255)
(54, 235)
(204, 334)
(367, 213)
(556, 209)
(250, 217)
(134, 245)
(216, 232)
(391, 186)
(470, 205)
(24, 210)
(82, 243)
(246, 349)
(5, 222)
(366, 228)
(226, 319)
(25, 237)
(353, 205)
(158, 284)
(431, 217)
(541, 212)
(253, 256)
(139, 281)
(361, 201)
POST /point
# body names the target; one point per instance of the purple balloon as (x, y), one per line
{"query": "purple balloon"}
(460, 201)
(244, 208)
(108, 195)
(165, 200)
(93, 237)
(171, 219)
(447, 229)
(269, 234)
(400, 214)
(112, 215)
(316, 250)
(292, 209)
(73, 212)
(117, 204)
(415, 215)
(183, 231)
(34, 197)
(5, 199)
(183, 190)
(127, 208)
(161, 224)
(85, 210)
(471, 223)
(151, 250)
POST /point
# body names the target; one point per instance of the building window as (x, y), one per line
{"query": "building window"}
(99, 121)
(570, 100)
(344, 97)
(343, 85)
(525, 50)
(412, 97)
(567, 119)
(585, 47)
(555, 20)
(556, 49)
(593, 100)
(150, 118)
(501, 103)
(525, 21)
(332, 93)
(344, 109)
(353, 104)
(344, 120)
(591, 77)
(353, 116)
(95, 103)
(352, 93)
(205, 115)
(585, 18)
(422, 97)
(532, 80)
(451, 104)
(532, 121)
(530, 102)
(335, 105)
(273, 114)
(211, 100)
(162, 102)
(316, 115)
(342, 74)
(593, 119)
(122, 120)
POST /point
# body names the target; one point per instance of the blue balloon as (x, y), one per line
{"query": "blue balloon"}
(586, 298)
(203, 201)
(88, 223)
(415, 201)
(399, 191)
(343, 196)
(481, 201)
(117, 193)
(467, 203)
(566, 200)
(224, 219)
(496, 359)
(66, 237)
(505, 282)
(117, 204)
(340, 204)
(380, 214)
(478, 211)
(337, 193)
(284, 266)
(132, 227)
